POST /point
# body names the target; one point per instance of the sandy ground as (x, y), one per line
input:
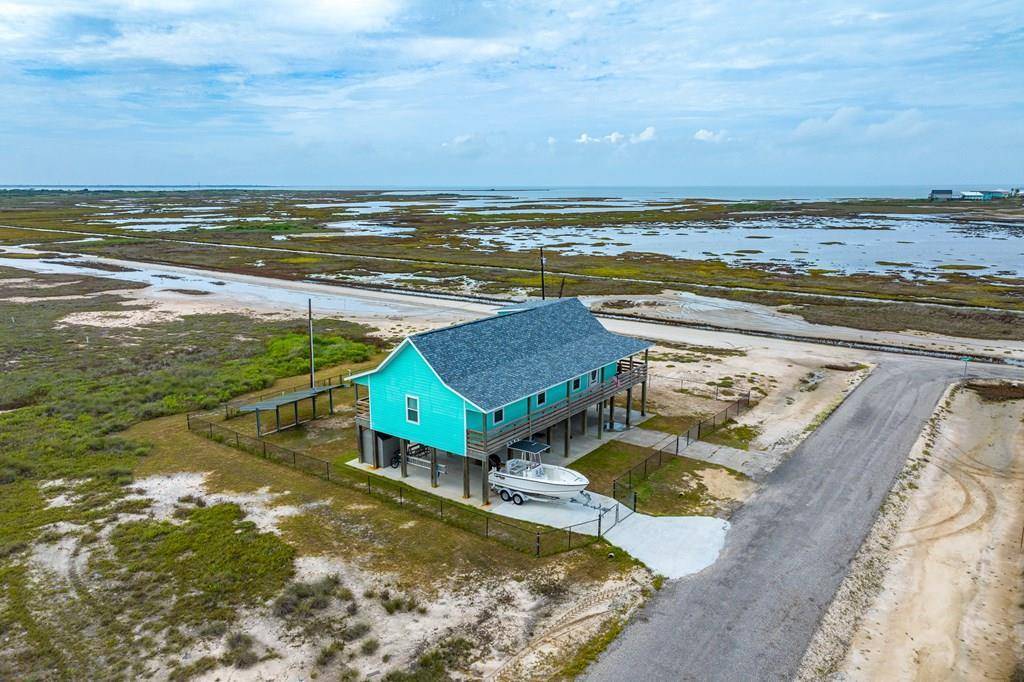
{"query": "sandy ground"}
(521, 630)
(950, 603)
(795, 389)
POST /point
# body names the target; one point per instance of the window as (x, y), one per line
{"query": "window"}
(593, 375)
(576, 383)
(412, 409)
(542, 398)
(499, 415)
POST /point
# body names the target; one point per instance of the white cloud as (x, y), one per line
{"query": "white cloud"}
(907, 123)
(705, 135)
(839, 123)
(466, 145)
(854, 123)
(616, 138)
(645, 135)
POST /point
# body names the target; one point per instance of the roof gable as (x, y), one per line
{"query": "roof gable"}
(497, 360)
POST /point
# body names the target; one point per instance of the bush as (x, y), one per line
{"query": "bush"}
(239, 652)
(300, 599)
(355, 631)
(369, 646)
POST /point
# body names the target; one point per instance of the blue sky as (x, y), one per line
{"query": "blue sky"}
(372, 92)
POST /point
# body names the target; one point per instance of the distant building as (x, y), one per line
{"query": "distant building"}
(984, 195)
(941, 195)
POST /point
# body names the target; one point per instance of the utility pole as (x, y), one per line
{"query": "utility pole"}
(543, 295)
(312, 366)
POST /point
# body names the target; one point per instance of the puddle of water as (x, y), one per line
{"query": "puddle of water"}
(845, 245)
(355, 228)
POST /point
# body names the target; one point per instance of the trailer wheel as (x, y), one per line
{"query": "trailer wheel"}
(517, 498)
(503, 494)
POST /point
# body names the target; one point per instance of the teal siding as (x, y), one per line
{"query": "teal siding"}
(513, 411)
(442, 411)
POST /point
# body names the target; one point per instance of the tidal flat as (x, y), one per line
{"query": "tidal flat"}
(960, 254)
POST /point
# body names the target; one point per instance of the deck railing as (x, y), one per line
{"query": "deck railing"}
(485, 442)
(363, 409)
(481, 443)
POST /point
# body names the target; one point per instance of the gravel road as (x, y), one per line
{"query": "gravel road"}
(751, 615)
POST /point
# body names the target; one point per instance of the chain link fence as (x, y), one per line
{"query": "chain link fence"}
(536, 541)
(624, 486)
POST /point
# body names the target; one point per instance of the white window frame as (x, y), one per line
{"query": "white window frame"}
(593, 375)
(542, 398)
(416, 410)
(577, 383)
(495, 417)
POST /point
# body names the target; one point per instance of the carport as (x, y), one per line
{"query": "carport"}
(284, 400)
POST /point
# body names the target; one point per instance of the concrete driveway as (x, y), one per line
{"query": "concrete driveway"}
(751, 615)
(672, 546)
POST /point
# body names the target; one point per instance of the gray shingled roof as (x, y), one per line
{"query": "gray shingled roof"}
(501, 359)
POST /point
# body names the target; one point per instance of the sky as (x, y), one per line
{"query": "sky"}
(516, 93)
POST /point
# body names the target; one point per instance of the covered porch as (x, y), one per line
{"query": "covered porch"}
(463, 478)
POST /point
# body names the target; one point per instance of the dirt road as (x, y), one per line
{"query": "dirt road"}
(751, 615)
(949, 603)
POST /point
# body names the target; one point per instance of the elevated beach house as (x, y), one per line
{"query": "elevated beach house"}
(471, 390)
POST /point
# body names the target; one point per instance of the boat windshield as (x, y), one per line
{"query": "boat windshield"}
(523, 467)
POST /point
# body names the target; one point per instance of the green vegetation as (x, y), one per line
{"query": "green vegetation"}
(437, 248)
(73, 390)
(589, 652)
(205, 567)
(676, 488)
(671, 423)
(734, 435)
(451, 654)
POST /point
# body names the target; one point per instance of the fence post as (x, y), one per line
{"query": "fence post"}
(599, 517)
(570, 537)
(236, 440)
(294, 464)
(188, 421)
(634, 500)
(264, 448)
(538, 542)
(677, 444)
(400, 500)
(487, 526)
(368, 490)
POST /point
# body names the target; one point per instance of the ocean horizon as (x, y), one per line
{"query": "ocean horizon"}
(527, 192)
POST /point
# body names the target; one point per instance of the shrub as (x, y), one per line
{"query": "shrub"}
(355, 631)
(239, 652)
(369, 646)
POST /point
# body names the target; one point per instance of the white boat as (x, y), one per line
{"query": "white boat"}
(528, 478)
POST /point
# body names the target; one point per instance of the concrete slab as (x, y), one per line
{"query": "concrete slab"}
(754, 463)
(674, 546)
(563, 514)
(647, 438)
